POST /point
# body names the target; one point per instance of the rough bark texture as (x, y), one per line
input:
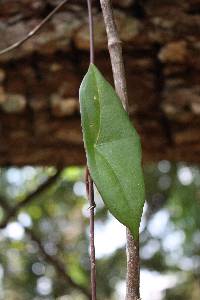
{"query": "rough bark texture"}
(133, 268)
(117, 62)
(39, 110)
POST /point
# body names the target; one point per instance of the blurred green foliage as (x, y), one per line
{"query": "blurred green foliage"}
(53, 229)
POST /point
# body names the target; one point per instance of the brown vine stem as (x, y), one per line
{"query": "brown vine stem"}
(89, 181)
(115, 51)
(90, 194)
(35, 30)
(91, 29)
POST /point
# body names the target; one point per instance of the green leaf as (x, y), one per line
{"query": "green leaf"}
(113, 150)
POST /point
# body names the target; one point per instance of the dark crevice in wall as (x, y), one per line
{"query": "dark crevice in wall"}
(138, 10)
(159, 86)
(194, 10)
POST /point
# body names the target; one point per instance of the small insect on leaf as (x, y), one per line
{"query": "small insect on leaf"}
(113, 150)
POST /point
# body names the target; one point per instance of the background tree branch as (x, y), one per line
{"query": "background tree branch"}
(11, 212)
(57, 264)
(52, 259)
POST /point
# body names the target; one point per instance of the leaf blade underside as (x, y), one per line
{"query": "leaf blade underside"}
(113, 150)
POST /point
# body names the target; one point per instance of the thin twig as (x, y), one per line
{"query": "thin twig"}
(90, 194)
(35, 30)
(89, 181)
(91, 29)
(13, 211)
(57, 264)
(115, 50)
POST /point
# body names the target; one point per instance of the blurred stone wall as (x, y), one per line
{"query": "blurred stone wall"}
(39, 82)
